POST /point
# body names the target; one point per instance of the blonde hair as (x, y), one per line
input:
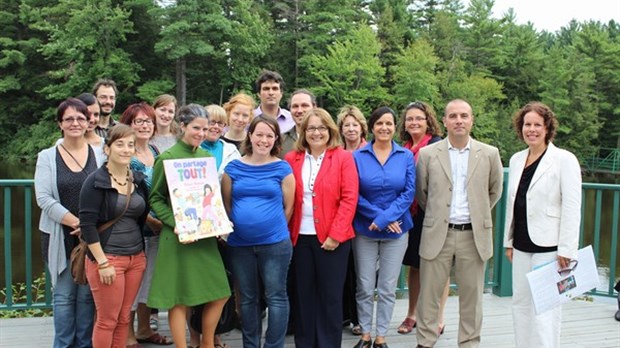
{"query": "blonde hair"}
(216, 113)
(353, 111)
(326, 119)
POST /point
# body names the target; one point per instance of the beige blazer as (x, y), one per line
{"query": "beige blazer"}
(553, 200)
(434, 195)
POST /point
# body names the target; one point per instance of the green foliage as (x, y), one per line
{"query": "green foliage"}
(364, 52)
(20, 291)
(414, 75)
(350, 72)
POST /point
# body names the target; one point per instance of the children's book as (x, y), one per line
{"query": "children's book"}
(196, 198)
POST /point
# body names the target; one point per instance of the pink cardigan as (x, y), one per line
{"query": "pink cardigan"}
(336, 191)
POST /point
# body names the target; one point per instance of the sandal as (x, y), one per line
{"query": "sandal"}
(156, 339)
(220, 345)
(356, 330)
(406, 326)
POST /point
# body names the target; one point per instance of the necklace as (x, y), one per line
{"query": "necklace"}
(118, 182)
(72, 157)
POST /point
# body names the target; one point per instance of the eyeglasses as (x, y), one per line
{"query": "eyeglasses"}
(70, 120)
(321, 129)
(417, 118)
(141, 121)
(217, 123)
(571, 267)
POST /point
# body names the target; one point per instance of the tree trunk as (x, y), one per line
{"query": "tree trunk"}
(181, 81)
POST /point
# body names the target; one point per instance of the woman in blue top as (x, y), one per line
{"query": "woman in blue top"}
(387, 187)
(258, 192)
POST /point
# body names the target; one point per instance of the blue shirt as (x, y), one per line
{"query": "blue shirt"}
(386, 191)
(216, 149)
(257, 207)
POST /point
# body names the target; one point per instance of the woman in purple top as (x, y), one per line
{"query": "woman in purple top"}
(258, 192)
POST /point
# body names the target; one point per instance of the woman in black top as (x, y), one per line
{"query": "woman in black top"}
(116, 260)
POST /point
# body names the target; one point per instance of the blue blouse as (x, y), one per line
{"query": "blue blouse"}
(257, 207)
(386, 191)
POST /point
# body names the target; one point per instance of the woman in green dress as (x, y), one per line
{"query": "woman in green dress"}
(190, 274)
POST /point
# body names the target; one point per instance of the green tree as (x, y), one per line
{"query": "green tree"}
(22, 72)
(414, 75)
(594, 42)
(84, 46)
(482, 38)
(193, 37)
(251, 43)
(567, 85)
(350, 72)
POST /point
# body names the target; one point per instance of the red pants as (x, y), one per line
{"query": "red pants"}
(113, 302)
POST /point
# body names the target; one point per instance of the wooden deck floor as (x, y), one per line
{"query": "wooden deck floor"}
(584, 325)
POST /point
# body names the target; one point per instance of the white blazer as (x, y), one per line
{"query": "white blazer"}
(553, 200)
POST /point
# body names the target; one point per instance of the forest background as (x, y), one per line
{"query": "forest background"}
(363, 52)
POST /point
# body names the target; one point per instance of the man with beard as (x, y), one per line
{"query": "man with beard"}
(270, 87)
(105, 91)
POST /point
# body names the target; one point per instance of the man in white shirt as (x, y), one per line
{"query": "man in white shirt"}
(270, 87)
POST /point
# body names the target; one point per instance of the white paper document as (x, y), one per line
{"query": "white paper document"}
(550, 288)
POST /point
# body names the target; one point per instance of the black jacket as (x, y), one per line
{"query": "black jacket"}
(97, 202)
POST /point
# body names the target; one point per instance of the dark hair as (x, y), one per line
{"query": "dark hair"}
(268, 75)
(188, 113)
(549, 119)
(75, 103)
(119, 131)
(106, 83)
(133, 110)
(204, 188)
(376, 115)
(246, 146)
(303, 91)
(432, 124)
(88, 99)
(326, 119)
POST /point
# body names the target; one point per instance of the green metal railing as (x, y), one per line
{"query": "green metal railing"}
(8, 301)
(607, 160)
(497, 277)
(503, 278)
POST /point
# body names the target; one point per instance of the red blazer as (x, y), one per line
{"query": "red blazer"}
(336, 190)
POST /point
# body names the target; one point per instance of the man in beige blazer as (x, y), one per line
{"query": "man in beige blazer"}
(459, 180)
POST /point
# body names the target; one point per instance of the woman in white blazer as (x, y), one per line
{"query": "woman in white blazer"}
(542, 218)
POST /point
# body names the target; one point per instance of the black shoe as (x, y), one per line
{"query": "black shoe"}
(618, 315)
(363, 344)
(379, 345)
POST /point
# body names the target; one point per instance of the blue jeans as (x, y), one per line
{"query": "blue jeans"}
(74, 312)
(266, 265)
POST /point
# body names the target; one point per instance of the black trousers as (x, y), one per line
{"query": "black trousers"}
(319, 285)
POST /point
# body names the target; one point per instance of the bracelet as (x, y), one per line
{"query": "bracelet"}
(103, 263)
(104, 266)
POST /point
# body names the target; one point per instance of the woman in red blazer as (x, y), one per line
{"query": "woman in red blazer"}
(326, 192)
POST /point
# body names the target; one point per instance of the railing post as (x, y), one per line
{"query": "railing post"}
(502, 268)
(8, 275)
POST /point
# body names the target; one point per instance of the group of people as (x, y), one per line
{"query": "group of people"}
(321, 215)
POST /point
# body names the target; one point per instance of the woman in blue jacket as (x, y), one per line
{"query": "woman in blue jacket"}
(387, 188)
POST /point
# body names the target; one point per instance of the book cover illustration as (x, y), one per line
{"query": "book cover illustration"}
(196, 198)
